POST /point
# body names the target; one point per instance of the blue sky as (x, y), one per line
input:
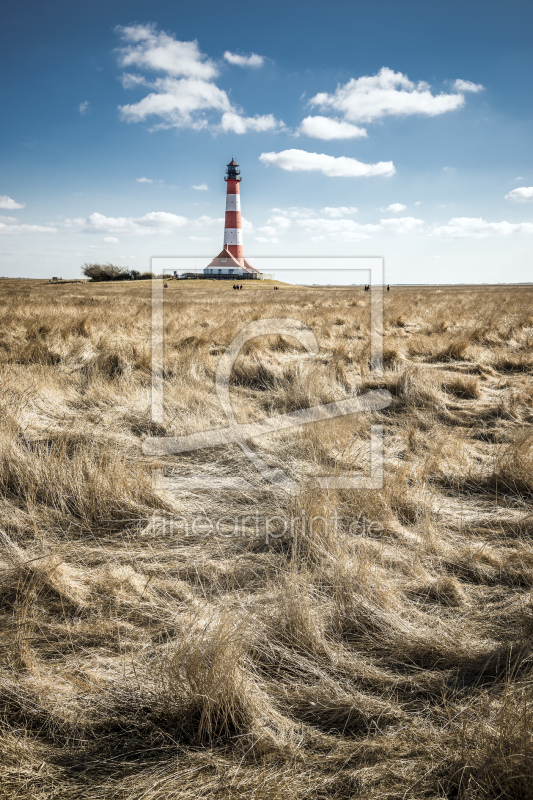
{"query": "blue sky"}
(394, 129)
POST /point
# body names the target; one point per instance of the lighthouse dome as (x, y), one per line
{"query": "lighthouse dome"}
(232, 171)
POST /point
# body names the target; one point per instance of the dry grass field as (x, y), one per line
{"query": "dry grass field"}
(165, 639)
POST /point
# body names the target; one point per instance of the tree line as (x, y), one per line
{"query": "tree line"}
(110, 272)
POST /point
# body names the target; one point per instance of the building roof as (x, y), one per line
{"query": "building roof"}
(225, 260)
(250, 268)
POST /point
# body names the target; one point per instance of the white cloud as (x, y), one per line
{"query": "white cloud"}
(158, 222)
(8, 219)
(253, 60)
(342, 230)
(478, 228)
(6, 228)
(200, 187)
(295, 212)
(342, 166)
(402, 225)
(387, 93)
(153, 223)
(235, 123)
(280, 222)
(267, 230)
(467, 86)
(274, 226)
(268, 233)
(177, 102)
(9, 204)
(347, 230)
(144, 180)
(394, 208)
(130, 81)
(83, 107)
(149, 48)
(338, 228)
(185, 95)
(199, 238)
(339, 211)
(417, 203)
(327, 128)
(523, 194)
(205, 219)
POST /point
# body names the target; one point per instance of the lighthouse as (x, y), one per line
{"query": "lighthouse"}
(230, 262)
(232, 222)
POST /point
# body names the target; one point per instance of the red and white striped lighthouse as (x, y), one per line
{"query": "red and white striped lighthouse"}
(231, 261)
(232, 223)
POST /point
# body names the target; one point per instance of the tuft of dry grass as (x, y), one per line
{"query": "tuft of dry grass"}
(181, 627)
(464, 386)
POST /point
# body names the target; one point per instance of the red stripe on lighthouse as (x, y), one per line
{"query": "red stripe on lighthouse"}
(233, 219)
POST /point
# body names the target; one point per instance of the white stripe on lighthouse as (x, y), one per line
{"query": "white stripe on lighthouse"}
(232, 236)
(233, 202)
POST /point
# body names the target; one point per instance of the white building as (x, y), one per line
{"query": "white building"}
(225, 265)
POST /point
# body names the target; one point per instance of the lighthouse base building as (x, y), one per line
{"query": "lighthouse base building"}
(225, 265)
(230, 262)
